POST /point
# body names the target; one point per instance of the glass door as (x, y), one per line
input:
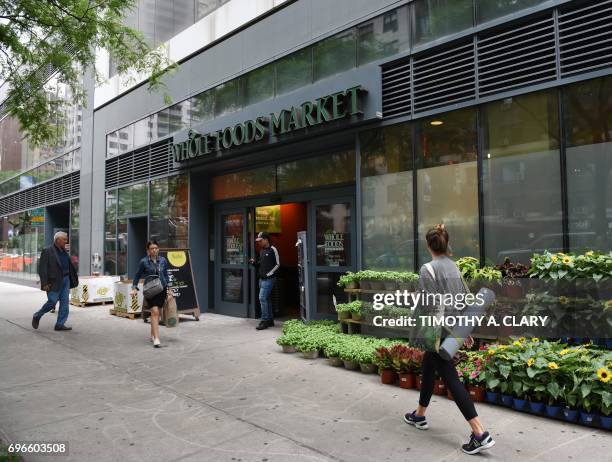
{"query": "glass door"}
(333, 252)
(232, 272)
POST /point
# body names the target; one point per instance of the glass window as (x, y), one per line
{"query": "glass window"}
(258, 85)
(112, 147)
(227, 97)
(487, 9)
(434, 19)
(179, 116)
(246, 183)
(383, 36)
(231, 285)
(521, 177)
(110, 234)
(447, 181)
(178, 211)
(333, 234)
(294, 71)
(202, 107)
(139, 199)
(161, 127)
(122, 246)
(74, 232)
(334, 55)
(164, 21)
(233, 239)
(204, 7)
(159, 216)
(588, 129)
(333, 168)
(142, 132)
(125, 201)
(125, 139)
(146, 20)
(386, 191)
(184, 13)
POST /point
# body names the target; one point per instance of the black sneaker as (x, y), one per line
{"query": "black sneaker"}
(262, 325)
(419, 422)
(35, 322)
(475, 445)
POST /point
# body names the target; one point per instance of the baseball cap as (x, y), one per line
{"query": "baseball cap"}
(262, 235)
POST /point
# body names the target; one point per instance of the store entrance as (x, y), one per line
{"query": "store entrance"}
(329, 226)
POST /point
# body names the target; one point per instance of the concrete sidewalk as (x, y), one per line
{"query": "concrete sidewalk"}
(222, 391)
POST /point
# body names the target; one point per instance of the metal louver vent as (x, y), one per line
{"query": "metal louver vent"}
(139, 165)
(585, 37)
(396, 90)
(517, 57)
(444, 77)
(57, 190)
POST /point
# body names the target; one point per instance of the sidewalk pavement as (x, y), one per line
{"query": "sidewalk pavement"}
(222, 391)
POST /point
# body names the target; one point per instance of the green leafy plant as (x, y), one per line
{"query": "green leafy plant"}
(347, 279)
(590, 265)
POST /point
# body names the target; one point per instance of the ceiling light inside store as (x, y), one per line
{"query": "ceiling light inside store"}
(436, 123)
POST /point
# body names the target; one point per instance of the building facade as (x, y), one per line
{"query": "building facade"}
(362, 123)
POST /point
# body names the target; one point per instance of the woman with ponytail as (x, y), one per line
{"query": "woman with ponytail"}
(441, 276)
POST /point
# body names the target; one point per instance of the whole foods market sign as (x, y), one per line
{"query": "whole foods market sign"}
(330, 108)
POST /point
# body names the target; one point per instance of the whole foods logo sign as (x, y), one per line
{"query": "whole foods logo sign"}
(329, 108)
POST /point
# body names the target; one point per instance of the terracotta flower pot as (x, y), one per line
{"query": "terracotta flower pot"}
(418, 381)
(439, 388)
(477, 393)
(388, 376)
(406, 380)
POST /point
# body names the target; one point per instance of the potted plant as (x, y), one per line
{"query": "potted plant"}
(288, 342)
(365, 358)
(377, 280)
(364, 277)
(344, 311)
(349, 352)
(349, 281)
(332, 352)
(309, 346)
(384, 362)
(390, 280)
(356, 313)
(408, 280)
(472, 377)
(511, 274)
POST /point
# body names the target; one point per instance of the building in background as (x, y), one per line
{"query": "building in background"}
(361, 122)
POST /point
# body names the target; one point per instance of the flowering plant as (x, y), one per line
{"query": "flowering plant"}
(590, 265)
(405, 359)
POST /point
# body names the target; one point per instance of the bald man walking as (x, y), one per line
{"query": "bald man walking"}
(57, 276)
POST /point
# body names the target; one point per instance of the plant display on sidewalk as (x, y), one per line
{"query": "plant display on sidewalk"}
(590, 265)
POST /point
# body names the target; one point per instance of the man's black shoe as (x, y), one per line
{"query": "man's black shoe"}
(262, 325)
(35, 322)
(63, 328)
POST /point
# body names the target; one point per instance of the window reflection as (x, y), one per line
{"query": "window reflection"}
(437, 18)
(383, 36)
(588, 128)
(334, 168)
(334, 55)
(487, 10)
(294, 71)
(522, 207)
(333, 234)
(386, 188)
(447, 180)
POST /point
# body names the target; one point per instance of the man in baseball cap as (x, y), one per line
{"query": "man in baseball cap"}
(267, 264)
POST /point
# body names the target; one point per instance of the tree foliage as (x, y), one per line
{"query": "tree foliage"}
(38, 37)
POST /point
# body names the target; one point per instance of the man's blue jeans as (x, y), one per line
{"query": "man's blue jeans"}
(52, 298)
(265, 289)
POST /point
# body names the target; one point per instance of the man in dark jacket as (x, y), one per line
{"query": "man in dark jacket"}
(267, 264)
(57, 276)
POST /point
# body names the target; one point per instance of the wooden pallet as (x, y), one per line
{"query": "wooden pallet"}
(123, 314)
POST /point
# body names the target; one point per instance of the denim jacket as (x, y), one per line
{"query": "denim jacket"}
(146, 267)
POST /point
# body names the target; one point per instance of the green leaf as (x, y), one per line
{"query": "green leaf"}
(531, 372)
(585, 389)
(553, 389)
(505, 370)
(492, 383)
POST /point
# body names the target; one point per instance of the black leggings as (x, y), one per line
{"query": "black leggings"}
(432, 363)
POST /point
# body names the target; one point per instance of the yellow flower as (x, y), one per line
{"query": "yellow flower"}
(603, 375)
(554, 258)
(530, 362)
(516, 343)
(521, 339)
(567, 260)
(589, 253)
(563, 300)
(503, 347)
(491, 352)
(553, 366)
(564, 351)
(535, 340)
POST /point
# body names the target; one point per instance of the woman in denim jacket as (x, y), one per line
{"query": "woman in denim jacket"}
(150, 265)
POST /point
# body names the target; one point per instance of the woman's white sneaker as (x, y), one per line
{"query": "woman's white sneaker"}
(156, 343)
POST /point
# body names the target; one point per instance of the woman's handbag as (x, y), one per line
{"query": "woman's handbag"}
(152, 285)
(170, 311)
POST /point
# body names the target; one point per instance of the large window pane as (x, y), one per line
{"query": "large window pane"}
(179, 116)
(447, 181)
(204, 7)
(246, 183)
(437, 18)
(491, 9)
(258, 85)
(588, 128)
(178, 210)
(125, 201)
(164, 21)
(202, 107)
(184, 13)
(125, 139)
(328, 169)
(521, 177)
(139, 199)
(334, 55)
(233, 239)
(386, 191)
(142, 132)
(161, 125)
(110, 233)
(227, 97)
(383, 36)
(294, 71)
